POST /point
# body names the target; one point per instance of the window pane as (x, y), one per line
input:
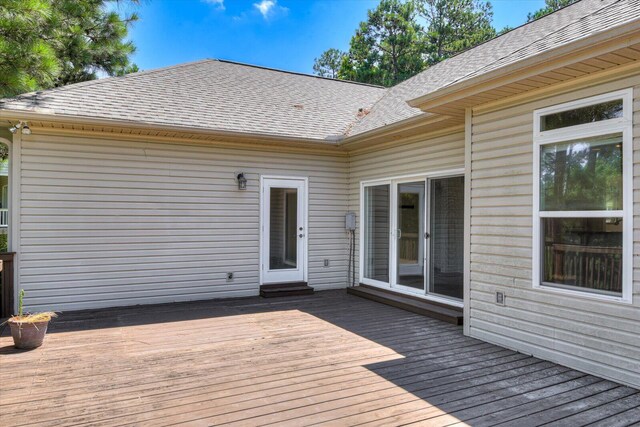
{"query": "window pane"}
(447, 237)
(410, 252)
(583, 252)
(283, 222)
(376, 233)
(579, 116)
(4, 203)
(291, 228)
(584, 174)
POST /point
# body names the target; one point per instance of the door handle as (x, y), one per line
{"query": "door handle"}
(399, 234)
(301, 235)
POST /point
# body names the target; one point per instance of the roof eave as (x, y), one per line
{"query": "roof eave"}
(338, 141)
(405, 124)
(626, 34)
(27, 115)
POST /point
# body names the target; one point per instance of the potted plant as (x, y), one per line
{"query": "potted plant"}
(28, 330)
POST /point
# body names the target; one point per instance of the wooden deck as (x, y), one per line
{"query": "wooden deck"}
(327, 359)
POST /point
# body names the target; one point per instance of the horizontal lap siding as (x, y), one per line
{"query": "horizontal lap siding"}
(108, 223)
(412, 158)
(598, 337)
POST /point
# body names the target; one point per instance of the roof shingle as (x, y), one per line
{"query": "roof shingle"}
(214, 95)
(220, 95)
(581, 19)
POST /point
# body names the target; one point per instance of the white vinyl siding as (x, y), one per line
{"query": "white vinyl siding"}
(108, 223)
(599, 337)
(416, 157)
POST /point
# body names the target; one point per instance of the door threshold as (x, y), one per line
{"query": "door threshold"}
(273, 290)
(443, 301)
(423, 306)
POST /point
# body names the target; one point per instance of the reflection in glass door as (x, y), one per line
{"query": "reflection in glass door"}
(290, 219)
(283, 228)
(377, 220)
(446, 220)
(410, 242)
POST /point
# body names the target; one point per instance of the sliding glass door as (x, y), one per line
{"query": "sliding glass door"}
(446, 237)
(410, 241)
(377, 220)
(413, 235)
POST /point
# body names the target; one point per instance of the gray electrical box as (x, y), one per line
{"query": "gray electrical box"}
(350, 221)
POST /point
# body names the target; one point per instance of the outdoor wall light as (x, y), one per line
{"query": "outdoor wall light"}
(21, 125)
(242, 181)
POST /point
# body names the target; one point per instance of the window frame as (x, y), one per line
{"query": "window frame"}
(623, 125)
(362, 224)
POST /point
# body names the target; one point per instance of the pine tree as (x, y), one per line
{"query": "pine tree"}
(387, 48)
(328, 64)
(550, 7)
(49, 43)
(454, 26)
(392, 45)
(28, 59)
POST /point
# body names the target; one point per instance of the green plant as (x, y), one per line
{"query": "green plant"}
(30, 318)
(21, 302)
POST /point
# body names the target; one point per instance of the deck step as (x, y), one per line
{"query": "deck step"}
(273, 290)
(417, 305)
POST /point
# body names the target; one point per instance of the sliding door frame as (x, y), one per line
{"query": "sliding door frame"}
(394, 240)
(393, 225)
(363, 185)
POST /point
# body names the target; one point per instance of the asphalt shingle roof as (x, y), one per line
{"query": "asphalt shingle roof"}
(214, 95)
(225, 96)
(570, 24)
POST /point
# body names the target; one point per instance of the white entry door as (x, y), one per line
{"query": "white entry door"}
(284, 230)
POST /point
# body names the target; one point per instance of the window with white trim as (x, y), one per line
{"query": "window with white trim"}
(583, 224)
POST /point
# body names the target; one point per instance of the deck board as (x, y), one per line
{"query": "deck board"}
(323, 359)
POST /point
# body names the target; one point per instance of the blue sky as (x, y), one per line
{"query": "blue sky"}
(284, 34)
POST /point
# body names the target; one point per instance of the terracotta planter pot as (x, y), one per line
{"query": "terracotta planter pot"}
(28, 335)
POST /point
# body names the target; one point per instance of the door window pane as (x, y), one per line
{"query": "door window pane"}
(4, 214)
(447, 237)
(291, 227)
(4, 203)
(580, 116)
(376, 232)
(583, 174)
(584, 253)
(283, 223)
(410, 234)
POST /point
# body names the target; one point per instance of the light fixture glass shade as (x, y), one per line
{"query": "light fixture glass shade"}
(242, 181)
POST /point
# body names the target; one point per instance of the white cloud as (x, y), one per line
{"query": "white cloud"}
(269, 8)
(219, 4)
(265, 7)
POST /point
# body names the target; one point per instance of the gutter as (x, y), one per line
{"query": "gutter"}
(27, 115)
(406, 124)
(337, 141)
(472, 86)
